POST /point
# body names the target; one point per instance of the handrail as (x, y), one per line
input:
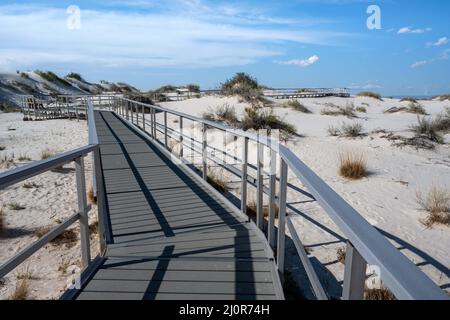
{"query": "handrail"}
(399, 274)
(14, 176)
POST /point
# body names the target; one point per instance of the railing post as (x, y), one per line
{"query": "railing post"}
(165, 129)
(83, 211)
(354, 275)
(244, 176)
(260, 187)
(272, 205)
(154, 124)
(204, 154)
(282, 216)
(143, 117)
(128, 109)
(181, 138)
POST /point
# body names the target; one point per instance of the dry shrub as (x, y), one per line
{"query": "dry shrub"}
(225, 113)
(217, 183)
(412, 100)
(6, 162)
(347, 111)
(251, 210)
(93, 228)
(352, 165)
(92, 199)
(47, 153)
(258, 119)
(41, 231)
(378, 294)
(351, 130)
(370, 95)
(22, 290)
(437, 204)
(297, 106)
(68, 238)
(16, 206)
(361, 109)
(340, 255)
(25, 273)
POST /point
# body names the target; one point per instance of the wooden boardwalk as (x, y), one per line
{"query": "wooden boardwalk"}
(172, 236)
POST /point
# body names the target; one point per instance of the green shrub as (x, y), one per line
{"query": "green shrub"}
(258, 119)
(75, 76)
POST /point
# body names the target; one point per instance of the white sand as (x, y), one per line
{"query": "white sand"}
(51, 203)
(387, 198)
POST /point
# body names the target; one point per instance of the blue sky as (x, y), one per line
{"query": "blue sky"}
(296, 43)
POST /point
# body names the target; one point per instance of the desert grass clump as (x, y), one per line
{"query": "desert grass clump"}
(437, 204)
(30, 185)
(333, 131)
(347, 111)
(370, 94)
(24, 158)
(47, 153)
(416, 109)
(6, 161)
(258, 119)
(361, 109)
(93, 228)
(340, 255)
(351, 130)
(217, 182)
(41, 231)
(25, 273)
(378, 294)
(442, 122)
(224, 113)
(427, 128)
(16, 206)
(297, 106)
(67, 237)
(92, 199)
(252, 210)
(22, 290)
(352, 165)
(2, 148)
(412, 100)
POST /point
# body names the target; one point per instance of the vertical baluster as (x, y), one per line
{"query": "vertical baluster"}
(143, 117)
(260, 187)
(272, 205)
(204, 155)
(354, 275)
(282, 216)
(244, 176)
(165, 130)
(82, 208)
(181, 138)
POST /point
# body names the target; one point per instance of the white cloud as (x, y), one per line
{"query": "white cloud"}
(302, 63)
(443, 56)
(441, 42)
(369, 85)
(406, 30)
(36, 35)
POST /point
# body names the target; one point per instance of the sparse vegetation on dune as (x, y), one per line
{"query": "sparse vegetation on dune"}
(258, 119)
(347, 130)
(412, 100)
(52, 77)
(225, 113)
(443, 97)
(30, 185)
(246, 87)
(92, 199)
(412, 108)
(352, 165)
(297, 106)
(8, 107)
(2, 148)
(76, 76)
(370, 95)
(437, 204)
(24, 158)
(333, 110)
(427, 129)
(361, 109)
